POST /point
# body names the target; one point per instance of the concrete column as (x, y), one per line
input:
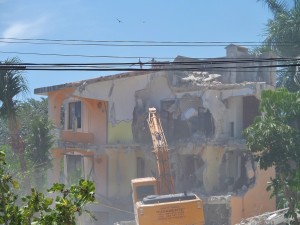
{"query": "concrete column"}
(55, 172)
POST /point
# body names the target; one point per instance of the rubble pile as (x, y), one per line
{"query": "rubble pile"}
(200, 78)
(270, 218)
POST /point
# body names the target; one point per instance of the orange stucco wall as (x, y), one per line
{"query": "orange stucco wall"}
(77, 137)
(55, 101)
(93, 131)
(95, 119)
(57, 156)
(256, 201)
(94, 116)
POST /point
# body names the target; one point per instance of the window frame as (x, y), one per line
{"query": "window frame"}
(77, 106)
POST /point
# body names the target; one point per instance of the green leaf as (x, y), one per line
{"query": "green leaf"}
(15, 184)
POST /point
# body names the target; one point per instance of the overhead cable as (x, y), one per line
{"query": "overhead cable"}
(223, 59)
(143, 41)
(134, 43)
(136, 67)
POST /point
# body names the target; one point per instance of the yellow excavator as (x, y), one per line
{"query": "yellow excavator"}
(154, 199)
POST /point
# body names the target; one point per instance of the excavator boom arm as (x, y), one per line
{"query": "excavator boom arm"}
(164, 177)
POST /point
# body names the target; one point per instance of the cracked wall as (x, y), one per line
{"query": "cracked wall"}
(196, 123)
(204, 130)
(203, 125)
(212, 169)
(218, 112)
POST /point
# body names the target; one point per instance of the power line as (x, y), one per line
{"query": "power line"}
(144, 41)
(134, 45)
(124, 43)
(81, 55)
(126, 67)
(127, 44)
(187, 61)
(234, 60)
(120, 41)
(180, 64)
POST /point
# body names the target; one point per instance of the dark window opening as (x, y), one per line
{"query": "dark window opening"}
(190, 172)
(62, 116)
(250, 110)
(206, 122)
(74, 115)
(231, 129)
(167, 119)
(179, 124)
(140, 167)
(139, 126)
(143, 191)
(237, 172)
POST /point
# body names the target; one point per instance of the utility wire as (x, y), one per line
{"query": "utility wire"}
(81, 55)
(134, 45)
(186, 59)
(180, 64)
(233, 60)
(144, 41)
(124, 43)
(170, 67)
(208, 62)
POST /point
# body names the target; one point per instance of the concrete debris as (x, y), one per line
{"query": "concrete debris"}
(174, 109)
(189, 113)
(211, 77)
(125, 223)
(218, 199)
(199, 77)
(270, 218)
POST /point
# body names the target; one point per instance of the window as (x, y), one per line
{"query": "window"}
(75, 168)
(140, 167)
(74, 115)
(143, 191)
(231, 129)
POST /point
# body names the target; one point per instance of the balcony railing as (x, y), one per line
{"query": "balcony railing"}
(80, 137)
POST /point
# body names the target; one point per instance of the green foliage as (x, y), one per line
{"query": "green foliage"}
(282, 36)
(38, 138)
(39, 209)
(274, 139)
(283, 32)
(35, 129)
(9, 211)
(30, 109)
(12, 84)
(69, 203)
(3, 131)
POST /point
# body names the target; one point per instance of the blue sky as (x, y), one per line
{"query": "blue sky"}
(193, 20)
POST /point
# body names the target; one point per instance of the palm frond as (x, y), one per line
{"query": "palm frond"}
(12, 84)
(276, 6)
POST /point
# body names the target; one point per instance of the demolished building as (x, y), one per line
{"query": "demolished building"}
(103, 135)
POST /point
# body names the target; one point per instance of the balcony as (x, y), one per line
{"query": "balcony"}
(75, 140)
(80, 137)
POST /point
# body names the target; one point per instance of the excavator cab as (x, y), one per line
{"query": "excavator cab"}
(143, 187)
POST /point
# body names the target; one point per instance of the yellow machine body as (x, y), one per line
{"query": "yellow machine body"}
(153, 209)
(155, 201)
